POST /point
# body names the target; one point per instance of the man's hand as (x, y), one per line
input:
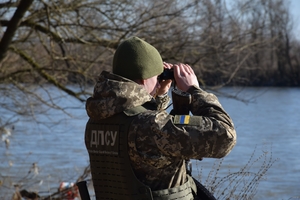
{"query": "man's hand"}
(184, 76)
(165, 84)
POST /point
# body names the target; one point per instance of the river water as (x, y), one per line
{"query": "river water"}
(265, 162)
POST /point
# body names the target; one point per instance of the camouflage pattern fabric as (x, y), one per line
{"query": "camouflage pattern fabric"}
(162, 102)
(158, 143)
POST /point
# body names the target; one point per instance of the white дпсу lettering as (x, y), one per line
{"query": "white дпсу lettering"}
(102, 138)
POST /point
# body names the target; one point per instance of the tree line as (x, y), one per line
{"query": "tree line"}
(247, 43)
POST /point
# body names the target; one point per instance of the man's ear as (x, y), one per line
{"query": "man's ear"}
(140, 81)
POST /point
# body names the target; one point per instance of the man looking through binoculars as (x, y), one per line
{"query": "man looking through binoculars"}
(137, 149)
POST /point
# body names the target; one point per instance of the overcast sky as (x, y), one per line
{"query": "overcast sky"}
(295, 11)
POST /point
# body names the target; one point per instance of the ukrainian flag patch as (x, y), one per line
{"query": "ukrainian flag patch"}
(181, 119)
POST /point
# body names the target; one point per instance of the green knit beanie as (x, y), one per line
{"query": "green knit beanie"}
(136, 59)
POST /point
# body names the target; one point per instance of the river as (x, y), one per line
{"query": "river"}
(264, 164)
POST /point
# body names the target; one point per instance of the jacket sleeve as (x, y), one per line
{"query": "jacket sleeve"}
(162, 101)
(209, 132)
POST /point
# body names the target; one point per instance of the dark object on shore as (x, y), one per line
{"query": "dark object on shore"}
(29, 195)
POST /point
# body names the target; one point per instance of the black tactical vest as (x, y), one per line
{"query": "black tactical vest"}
(113, 177)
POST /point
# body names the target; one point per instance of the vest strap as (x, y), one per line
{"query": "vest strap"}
(183, 191)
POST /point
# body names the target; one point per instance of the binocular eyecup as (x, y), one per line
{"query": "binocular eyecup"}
(166, 74)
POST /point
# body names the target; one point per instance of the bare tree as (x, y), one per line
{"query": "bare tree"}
(62, 42)
(71, 42)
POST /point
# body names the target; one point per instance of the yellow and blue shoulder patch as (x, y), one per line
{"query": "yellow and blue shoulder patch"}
(188, 120)
(181, 119)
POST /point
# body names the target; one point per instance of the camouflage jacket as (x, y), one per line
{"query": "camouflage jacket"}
(158, 143)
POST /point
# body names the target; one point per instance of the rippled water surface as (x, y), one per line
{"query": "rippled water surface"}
(267, 125)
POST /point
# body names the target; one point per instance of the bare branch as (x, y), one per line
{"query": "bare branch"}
(45, 75)
(13, 26)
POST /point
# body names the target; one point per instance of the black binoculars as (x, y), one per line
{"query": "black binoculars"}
(166, 74)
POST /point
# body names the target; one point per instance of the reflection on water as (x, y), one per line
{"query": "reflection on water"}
(268, 123)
